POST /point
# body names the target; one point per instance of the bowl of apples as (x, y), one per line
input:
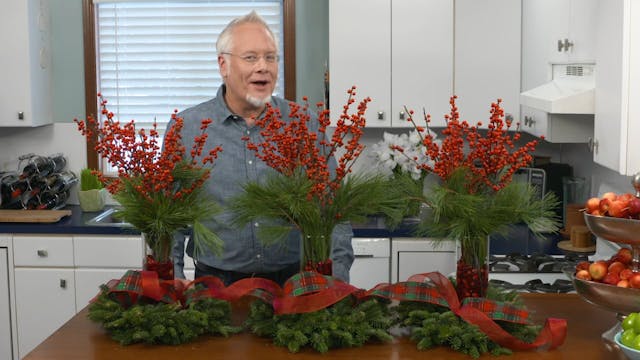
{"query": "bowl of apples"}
(612, 283)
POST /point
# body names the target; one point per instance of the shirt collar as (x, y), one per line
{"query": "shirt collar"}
(226, 112)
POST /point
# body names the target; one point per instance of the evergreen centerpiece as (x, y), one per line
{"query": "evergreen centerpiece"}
(159, 190)
(304, 192)
(476, 196)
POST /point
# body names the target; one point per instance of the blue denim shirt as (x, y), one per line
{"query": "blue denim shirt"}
(235, 166)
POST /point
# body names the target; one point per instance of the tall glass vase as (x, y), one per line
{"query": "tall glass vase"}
(157, 256)
(316, 251)
(472, 271)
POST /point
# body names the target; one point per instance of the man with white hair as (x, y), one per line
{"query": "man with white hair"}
(248, 57)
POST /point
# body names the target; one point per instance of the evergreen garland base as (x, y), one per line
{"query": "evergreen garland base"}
(344, 324)
(432, 325)
(160, 323)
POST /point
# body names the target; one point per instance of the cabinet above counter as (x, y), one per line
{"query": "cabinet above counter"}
(77, 223)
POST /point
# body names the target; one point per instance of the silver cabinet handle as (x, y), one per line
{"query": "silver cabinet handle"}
(402, 115)
(528, 121)
(380, 115)
(63, 283)
(593, 145)
(564, 45)
(42, 253)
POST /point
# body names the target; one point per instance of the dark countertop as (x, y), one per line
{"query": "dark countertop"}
(76, 224)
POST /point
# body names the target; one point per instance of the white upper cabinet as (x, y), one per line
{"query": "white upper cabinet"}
(569, 30)
(487, 58)
(547, 22)
(617, 118)
(399, 53)
(546, 56)
(25, 64)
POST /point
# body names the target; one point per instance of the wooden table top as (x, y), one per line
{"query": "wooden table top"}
(82, 339)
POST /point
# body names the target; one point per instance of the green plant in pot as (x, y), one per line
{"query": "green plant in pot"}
(92, 195)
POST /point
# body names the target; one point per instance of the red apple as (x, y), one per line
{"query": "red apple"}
(616, 267)
(592, 204)
(618, 208)
(583, 275)
(598, 270)
(634, 281)
(626, 197)
(596, 212)
(624, 255)
(583, 265)
(623, 283)
(611, 279)
(634, 207)
(604, 206)
(625, 274)
(609, 195)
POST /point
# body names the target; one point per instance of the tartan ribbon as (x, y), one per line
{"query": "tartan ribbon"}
(309, 291)
(477, 311)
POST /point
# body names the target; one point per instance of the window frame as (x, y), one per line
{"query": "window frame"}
(90, 71)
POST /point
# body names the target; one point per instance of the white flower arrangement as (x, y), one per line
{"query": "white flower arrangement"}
(393, 161)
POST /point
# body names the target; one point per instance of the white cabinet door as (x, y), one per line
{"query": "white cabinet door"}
(410, 256)
(399, 53)
(421, 60)
(45, 299)
(6, 346)
(360, 55)
(487, 58)
(565, 28)
(100, 258)
(371, 264)
(617, 118)
(25, 64)
(88, 283)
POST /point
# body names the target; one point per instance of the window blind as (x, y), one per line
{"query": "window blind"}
(157, 56)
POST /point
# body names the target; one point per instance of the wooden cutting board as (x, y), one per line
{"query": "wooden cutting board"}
(33, 216)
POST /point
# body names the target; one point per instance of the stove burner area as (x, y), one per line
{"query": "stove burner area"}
(536, 263)
(533, 273)
(536, 285)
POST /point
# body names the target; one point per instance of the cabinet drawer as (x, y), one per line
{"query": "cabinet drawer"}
(43, 251)
(108, 251)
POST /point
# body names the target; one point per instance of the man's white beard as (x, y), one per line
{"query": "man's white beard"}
(258, 102)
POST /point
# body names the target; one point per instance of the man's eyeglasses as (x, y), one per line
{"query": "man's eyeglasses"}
(253, 58)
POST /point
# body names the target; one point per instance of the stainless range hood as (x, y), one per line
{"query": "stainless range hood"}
(571, 91)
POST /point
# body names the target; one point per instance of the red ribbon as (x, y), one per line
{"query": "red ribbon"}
(551, 336)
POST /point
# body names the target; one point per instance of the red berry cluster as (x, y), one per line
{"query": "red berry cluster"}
(492, 156)
(137, 154)
(290, 145)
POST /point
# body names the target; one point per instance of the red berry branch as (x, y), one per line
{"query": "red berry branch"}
(289, 146)
(138, 154)
(492, 157)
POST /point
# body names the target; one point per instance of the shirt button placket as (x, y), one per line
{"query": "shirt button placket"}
(251, 161)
